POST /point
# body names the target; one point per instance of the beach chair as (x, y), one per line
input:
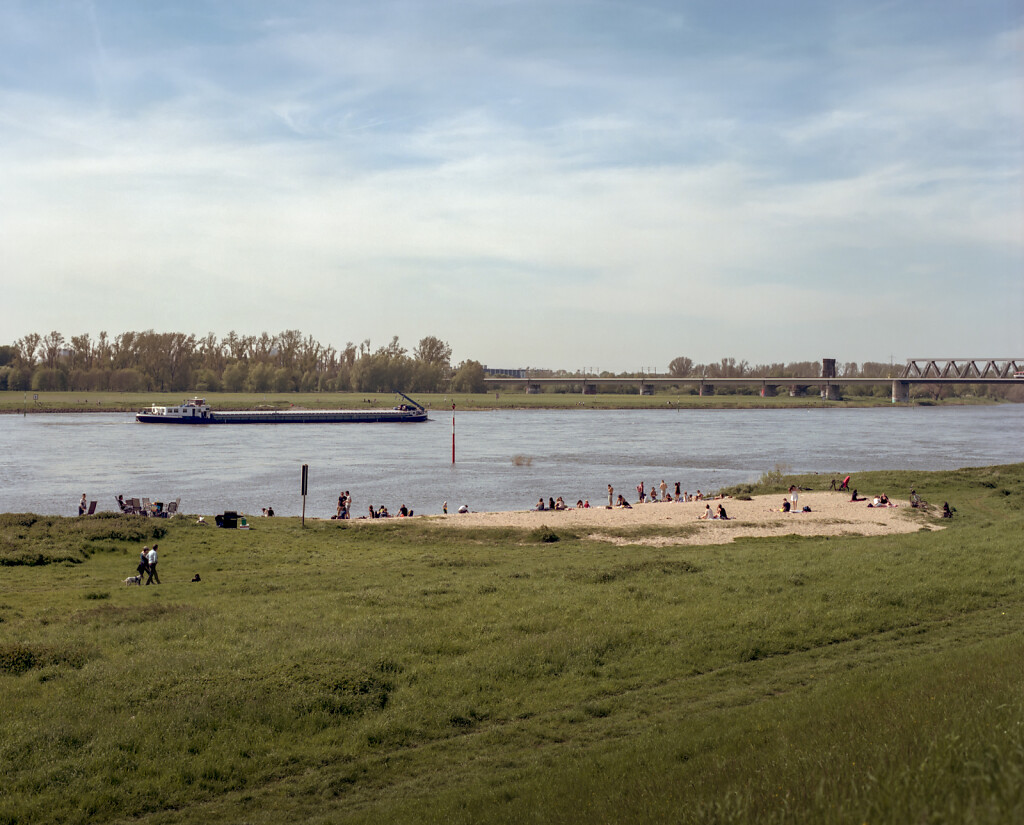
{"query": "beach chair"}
(134, 508)
(171, 509)
(147, 507)
(92, 508)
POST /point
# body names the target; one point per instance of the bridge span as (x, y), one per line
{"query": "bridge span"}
(916, 371)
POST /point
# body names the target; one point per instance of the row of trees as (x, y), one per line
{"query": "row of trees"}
(173, 361)
(684, 367)
(292, 362)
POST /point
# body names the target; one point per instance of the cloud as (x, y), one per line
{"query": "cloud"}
(359, 171)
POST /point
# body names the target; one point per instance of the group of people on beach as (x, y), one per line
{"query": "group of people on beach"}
(661, 493)
(559, 504)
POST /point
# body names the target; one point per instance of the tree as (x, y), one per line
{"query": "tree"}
(469, 377)
(680, 367)
(27, 347)
(434, 351)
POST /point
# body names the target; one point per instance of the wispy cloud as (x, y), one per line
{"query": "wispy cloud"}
(530, 181)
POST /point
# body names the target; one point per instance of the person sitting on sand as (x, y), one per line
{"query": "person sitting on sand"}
(586, 504)
(403, 511)
(560, 504)
(884, 499)
(623, 503)
(915, 499)
(540, 504)
(579, 504)
(551, 503)
(855, 497)
(463, 508)
(721, 513)
(785, 505)
(707, 513)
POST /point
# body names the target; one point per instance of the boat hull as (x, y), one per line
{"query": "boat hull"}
(292, 417)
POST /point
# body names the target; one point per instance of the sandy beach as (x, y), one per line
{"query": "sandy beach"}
(832, 514)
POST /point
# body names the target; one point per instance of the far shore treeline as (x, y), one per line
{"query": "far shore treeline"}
(150, 361)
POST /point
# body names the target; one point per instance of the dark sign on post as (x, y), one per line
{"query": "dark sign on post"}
(305, 487)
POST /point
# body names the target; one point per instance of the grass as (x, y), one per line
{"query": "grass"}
(16, 402)
(343, 673)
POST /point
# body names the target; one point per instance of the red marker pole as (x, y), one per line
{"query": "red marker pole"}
(453, 433)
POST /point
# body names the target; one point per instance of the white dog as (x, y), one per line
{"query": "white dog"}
(133, 580)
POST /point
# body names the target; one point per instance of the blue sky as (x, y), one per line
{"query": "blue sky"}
(551, 184)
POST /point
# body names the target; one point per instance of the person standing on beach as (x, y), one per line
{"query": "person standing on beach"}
(677, 490)
(640, 492)
(151, 558)
(664, 489)
(83, 505)
(611, 491)
(794, 496)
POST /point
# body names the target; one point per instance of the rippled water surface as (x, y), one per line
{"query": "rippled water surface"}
(505, 459)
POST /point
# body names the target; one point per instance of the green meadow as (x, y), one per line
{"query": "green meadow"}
(440, 403)
(409, 672)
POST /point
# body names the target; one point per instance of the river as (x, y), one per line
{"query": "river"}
(505, 459)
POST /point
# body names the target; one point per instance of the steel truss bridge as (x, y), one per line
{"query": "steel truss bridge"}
(917, 371)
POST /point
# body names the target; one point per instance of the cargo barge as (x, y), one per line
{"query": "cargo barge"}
(197, 411)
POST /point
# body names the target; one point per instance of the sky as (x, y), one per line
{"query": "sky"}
(565, 184)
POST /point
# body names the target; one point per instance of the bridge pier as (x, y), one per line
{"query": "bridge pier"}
(589, 389)
(646, 389)
(830, 392)
(900, 392)
(797, 391)
(707, 389)
(532, 389)
(768, 390)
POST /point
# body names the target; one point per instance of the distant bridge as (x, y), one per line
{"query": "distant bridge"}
(916, 371)
(963, 369)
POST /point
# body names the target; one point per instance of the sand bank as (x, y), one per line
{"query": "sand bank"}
(832, 514)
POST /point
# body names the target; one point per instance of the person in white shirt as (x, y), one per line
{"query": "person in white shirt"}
(152, 566)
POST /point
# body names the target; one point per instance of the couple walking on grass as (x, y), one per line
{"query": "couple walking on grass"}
(147, 564)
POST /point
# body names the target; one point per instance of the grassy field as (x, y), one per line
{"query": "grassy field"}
(16, 402)
(401, 672)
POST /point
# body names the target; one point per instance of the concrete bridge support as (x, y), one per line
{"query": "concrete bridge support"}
(768, 390)
(589, 389)
(797, 391)
(532, 389)
(830, 392)
(646, 389)
(900, 392)
(707, 389)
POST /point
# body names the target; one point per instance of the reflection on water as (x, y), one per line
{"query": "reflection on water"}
(50, 460)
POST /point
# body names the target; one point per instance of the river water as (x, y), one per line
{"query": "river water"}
(505, 460)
